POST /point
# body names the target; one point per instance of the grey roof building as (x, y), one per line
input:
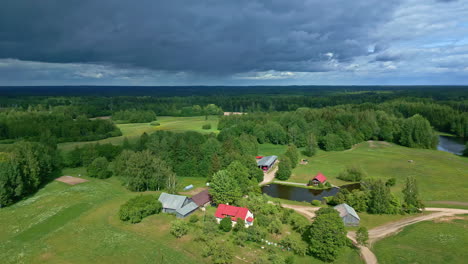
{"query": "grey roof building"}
(348, 214)
(181, 206)
(267, 162)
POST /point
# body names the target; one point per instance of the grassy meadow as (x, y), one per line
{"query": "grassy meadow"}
(442, 241)
(79, 224)
(134, 130)
(441, 176)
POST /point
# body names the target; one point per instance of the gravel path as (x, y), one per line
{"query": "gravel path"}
(270, 175)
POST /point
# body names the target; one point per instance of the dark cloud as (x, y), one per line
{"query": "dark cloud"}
(202, 36)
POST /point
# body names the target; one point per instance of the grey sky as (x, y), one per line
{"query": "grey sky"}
(153, 42)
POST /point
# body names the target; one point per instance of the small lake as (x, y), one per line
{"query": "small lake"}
(302, 194)
(453, 145)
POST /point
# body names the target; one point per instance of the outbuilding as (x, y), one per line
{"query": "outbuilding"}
(180, 205)
(267, 162)
(234, 213)
(348, 214)
(319, 178)
(202, 198)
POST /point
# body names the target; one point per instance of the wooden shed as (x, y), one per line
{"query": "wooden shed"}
(348, 214)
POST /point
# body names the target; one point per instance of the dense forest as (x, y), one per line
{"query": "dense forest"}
(329, 119)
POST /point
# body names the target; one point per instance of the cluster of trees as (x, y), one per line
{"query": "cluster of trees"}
(86, 154)
(332, 128)
(192, 154)
(134, 116)
(34, 125)
(24, 169)
(352, 173)
(375, 197)
(139, 207)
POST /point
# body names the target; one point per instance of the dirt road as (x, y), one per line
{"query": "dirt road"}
(385, 230)
(307, 211)
(270, 175)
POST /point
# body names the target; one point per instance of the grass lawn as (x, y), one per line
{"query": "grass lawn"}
(431, 242)
(271, 149)
(371, 220)
(79, 224)
(134, 130)
(441, 176)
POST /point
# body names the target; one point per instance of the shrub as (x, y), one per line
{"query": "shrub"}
(328, 185)
(226, 224)
(238, 227)
(274, 227)
(179, 228)
(206, 126)
(316, 203)
(352, 173)
(362, 235)
(154, 123)
(320, 185)
(193, 219)
(391, 182)
(137, 208)
(295, 243)
(99, 168)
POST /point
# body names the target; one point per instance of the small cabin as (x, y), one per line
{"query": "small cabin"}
(318, 179)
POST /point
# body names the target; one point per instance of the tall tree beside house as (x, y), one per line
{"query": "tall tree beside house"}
(380, 198)
(241, 174)
(224, 188)
(411, 195)
(326, 235)
(293, 154)
(284, 169)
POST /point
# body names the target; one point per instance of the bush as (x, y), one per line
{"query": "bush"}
(99, 168)
(226, 224)
(179, 228)
(137, 208)
(206, 126)
(295, 243)
(237, 227)
(193, 219)
(316, 203)
(352, 173)
(154, 123)
(362, 236)
(328, 185)
(391, 182)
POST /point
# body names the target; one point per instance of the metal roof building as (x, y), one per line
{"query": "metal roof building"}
(179, 205)
(267, 162)
(348, 214)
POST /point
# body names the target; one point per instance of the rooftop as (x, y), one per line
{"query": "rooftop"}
(345, 209)
(267, 161)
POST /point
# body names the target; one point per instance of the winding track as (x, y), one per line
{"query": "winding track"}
(382, 231)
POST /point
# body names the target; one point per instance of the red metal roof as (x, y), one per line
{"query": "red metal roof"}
(259, 157)
(232, 211)
(320, 177)
(249, 219)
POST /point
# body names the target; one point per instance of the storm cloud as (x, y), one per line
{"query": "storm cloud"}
(213, 39)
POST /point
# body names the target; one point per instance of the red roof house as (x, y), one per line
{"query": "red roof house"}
(234, 212)
(319, 178)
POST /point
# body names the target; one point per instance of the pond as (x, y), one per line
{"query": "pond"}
(453, 145)
(302, 194)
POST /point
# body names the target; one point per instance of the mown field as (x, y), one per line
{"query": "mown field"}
(431, 242)
(79, 224)
(441, 176)
(134, 130)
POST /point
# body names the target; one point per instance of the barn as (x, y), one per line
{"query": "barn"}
(348, 214)
(181, 206)
(265, 163)
(202, 198)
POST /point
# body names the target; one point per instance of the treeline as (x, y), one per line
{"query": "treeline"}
(34, 125)
(23, 169)
(134, 116)
(332, 128)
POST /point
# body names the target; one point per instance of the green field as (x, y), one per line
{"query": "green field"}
(79, 224)
(441, 176)
(134, 130)
(430, 242)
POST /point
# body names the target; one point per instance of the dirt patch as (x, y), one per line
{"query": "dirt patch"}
(70, 180)
(194, 191)
(372, 144)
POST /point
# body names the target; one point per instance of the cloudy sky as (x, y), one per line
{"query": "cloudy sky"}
(241, 42)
